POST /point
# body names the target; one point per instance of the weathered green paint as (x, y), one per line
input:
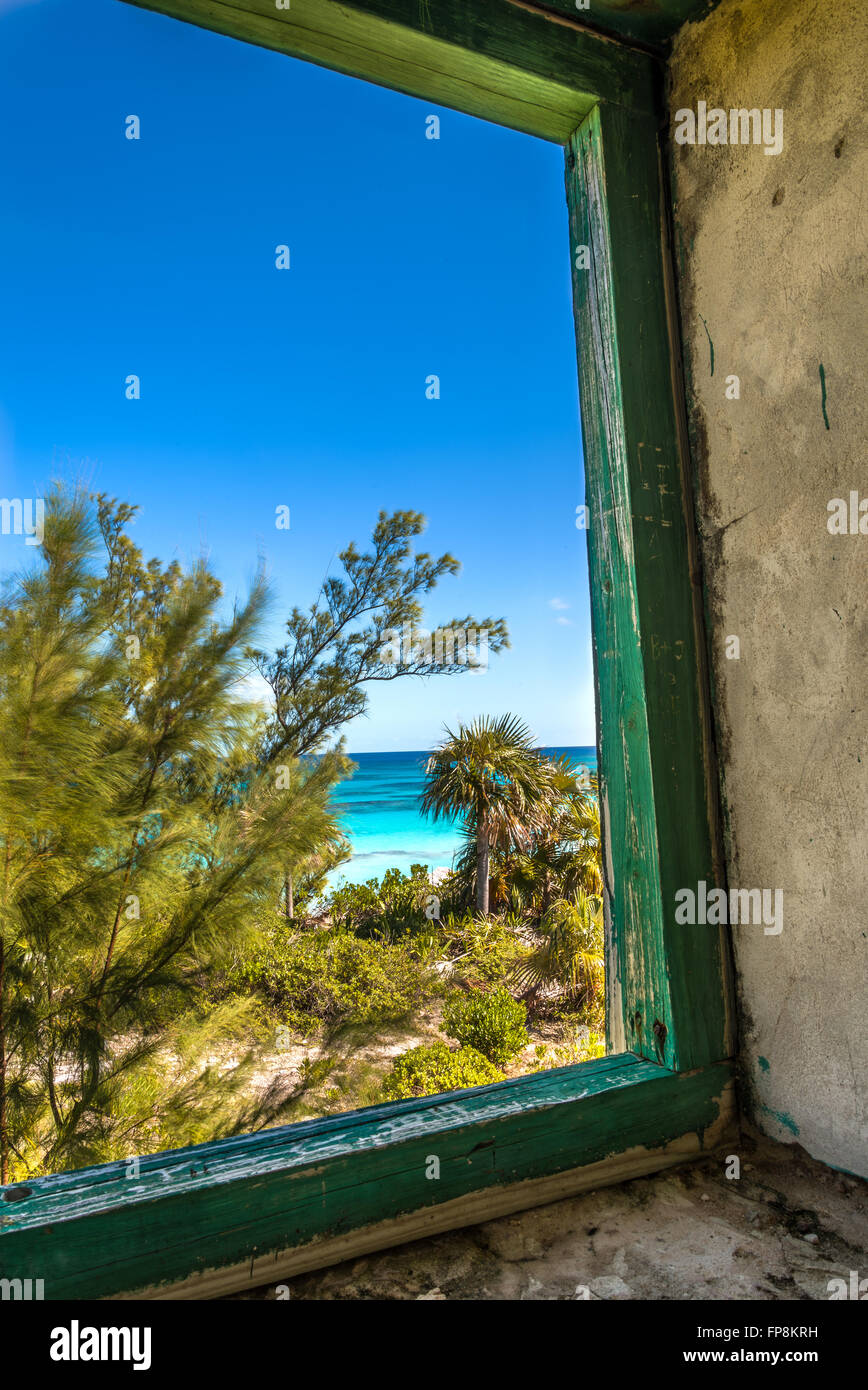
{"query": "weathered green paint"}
(649, 22)
(783, 1119)
(495, 60)
(654, 758)
(95, 1233)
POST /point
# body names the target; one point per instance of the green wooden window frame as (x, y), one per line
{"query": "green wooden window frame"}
(218, 1217)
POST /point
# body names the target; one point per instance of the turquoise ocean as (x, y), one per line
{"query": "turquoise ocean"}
(380, 810)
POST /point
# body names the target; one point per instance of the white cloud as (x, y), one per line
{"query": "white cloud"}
(564, 622)
(559, 603)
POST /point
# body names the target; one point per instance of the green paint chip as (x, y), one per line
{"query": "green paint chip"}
(783, 1119)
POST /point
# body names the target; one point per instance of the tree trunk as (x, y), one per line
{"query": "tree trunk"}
(289, 897)
(482, 859)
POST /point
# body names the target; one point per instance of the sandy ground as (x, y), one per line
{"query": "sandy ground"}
(781, 1231)
(372, 1058)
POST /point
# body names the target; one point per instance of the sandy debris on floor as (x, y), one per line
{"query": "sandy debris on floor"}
(780, 1231)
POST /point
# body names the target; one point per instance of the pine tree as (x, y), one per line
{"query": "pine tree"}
(141, 833)
(336, 648)
(151, 812)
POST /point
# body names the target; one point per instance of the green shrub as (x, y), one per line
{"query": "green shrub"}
(429, 1071)
(331, 977)
(485, 949)
(580, 1045)
(388, 908)
(494, 1024)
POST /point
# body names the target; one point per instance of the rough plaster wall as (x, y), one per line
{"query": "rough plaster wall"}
(771, 251)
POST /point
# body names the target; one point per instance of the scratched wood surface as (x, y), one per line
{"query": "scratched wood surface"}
(651, 23)
(95, 1233)
(493, 59)
(657, 802)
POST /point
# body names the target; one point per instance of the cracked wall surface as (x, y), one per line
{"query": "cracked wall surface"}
(771, 257)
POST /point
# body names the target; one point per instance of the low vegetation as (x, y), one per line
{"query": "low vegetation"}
(493, 1024)
(309, 981)
(173, 967)
(428, 1071)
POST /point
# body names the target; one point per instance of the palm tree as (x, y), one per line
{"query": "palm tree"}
(490, 773)
(561, 857)
(565, 856)
(570, 954)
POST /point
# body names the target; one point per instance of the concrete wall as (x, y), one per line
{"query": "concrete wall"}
(771, 251)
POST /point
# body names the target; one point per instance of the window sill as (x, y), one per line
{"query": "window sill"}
(217, 1218)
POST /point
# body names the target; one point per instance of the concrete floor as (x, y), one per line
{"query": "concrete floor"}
(782, 1230)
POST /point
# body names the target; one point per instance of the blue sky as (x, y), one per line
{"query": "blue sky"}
(304, 387)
